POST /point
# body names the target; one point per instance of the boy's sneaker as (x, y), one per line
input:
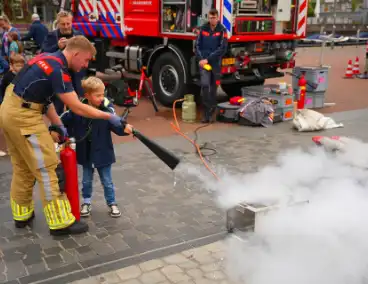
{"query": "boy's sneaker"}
(114, 211)
(86, 210)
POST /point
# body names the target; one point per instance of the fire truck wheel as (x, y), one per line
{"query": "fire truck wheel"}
(168, 79)
(232, 90)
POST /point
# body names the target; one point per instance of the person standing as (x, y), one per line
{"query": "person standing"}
(29, 142)
(211, 46)
(37, 31)
(7, 27)
(56, 40)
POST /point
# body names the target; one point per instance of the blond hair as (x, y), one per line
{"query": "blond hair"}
(91, 84)
(80, 42)
(5, 18)
(63, 14)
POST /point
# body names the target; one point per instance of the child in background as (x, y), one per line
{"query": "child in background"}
(17, 62)
(97, 150)
(14, 45)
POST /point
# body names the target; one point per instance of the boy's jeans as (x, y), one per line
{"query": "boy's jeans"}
(106, 180)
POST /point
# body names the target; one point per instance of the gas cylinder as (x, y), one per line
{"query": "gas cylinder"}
(68, 159)
(189, 109)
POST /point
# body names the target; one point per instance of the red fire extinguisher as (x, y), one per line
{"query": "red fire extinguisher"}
(68, 159)
(302, 85)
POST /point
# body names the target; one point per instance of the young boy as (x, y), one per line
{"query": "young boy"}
(96, 150)
(17, 62)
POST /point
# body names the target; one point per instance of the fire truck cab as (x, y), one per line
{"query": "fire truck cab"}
(161, 34)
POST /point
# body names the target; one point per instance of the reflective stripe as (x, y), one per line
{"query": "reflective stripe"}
(41, 165)
(21, 213)
(58, 214)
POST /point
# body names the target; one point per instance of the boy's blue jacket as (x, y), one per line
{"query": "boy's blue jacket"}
(97, 149)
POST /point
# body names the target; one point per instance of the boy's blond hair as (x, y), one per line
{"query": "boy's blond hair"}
(80, 42)
(91, 84)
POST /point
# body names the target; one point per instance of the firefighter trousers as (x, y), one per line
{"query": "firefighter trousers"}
(33, 158)
(208, 91)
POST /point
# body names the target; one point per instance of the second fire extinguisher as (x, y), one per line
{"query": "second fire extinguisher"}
(68, 159)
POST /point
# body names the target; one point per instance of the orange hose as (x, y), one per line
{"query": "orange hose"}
(176, 128)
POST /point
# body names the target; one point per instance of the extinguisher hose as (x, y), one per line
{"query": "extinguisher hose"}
(312, 85)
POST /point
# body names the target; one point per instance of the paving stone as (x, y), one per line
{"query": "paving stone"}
(188, 264)
(52, 251)
(210, 267)
(129, 272)
(101, 248)
(151, 265)
(36, 268)
(15, 270)
(175, 259)
(152, 277)
(215, 275)
(132, 281)
(195, 273)
(69, 243)
(109, 278)
(203, 281)
(215, 247)
(171, 269)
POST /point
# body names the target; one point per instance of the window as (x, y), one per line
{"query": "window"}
(17, 9)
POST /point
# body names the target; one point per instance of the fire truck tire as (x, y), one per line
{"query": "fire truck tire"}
(168, 79)
(232, 90)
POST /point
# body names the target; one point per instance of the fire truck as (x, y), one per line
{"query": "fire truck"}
(160, 35)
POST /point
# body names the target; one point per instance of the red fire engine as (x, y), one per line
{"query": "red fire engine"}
(160, 34)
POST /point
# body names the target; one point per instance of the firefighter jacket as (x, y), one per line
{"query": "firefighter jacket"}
(212, 45)
(50, 44)
(44, 77)
(97, 148)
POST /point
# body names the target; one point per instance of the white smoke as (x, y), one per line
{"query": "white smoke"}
(323, 241)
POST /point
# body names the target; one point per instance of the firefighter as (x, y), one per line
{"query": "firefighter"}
(211, 45)
(56, 40)
(29, 142)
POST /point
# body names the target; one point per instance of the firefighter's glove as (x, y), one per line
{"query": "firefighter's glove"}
(116, 120)
(61, 130)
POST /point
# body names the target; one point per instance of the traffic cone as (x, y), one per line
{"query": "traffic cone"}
(349, 71)
(356, 68)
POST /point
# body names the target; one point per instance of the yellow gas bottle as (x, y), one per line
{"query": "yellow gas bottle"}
(207, 67)
(189, 109)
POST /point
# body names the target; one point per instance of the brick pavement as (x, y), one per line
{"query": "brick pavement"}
(202, 265)
(159, 218)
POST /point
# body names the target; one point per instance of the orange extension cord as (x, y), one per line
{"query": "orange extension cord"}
(176, 128)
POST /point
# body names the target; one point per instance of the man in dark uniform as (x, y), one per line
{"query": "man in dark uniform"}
(56, 40)
(211, 45)
(30, 144)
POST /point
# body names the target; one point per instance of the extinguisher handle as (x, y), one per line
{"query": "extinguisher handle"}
(58, 130)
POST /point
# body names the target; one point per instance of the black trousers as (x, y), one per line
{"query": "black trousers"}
(208, 91)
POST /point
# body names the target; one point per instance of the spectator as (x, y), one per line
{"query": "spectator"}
(37, 31)
(4, 66)
(17, 62)
(7, 27)
(15, 47)
(56, 40)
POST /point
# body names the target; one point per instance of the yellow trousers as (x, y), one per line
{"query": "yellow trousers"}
(33, 157)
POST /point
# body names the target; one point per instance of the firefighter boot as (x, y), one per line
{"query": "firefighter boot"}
(205, 117)
(74, 229)
(23, 224)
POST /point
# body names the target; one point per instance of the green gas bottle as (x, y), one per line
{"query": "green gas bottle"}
(189, 109)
